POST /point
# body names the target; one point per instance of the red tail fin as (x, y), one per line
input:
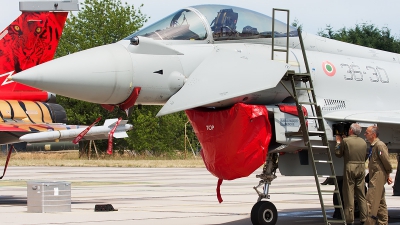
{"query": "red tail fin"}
(30, 40)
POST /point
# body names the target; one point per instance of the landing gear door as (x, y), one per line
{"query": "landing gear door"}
(285, 122)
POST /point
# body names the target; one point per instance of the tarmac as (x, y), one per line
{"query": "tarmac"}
(167, 196)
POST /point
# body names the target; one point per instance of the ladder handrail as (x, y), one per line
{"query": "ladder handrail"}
(303, 50)
(273, 33)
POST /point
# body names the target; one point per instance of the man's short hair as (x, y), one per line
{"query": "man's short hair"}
(356, 128)
(375, 130)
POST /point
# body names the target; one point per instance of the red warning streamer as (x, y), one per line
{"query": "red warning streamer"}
(110, 137)
(219, 190)
(8, 159)
(84, 132)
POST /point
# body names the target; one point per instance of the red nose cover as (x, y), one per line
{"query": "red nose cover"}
(234, 141)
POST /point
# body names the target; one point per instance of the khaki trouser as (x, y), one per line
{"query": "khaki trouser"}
(396, 186)
(376, 202)
(354, 184)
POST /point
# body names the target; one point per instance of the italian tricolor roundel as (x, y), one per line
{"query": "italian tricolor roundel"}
(328, 68)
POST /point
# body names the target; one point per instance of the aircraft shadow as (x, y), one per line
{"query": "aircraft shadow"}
(22, 201)
(12, 200)
(311, 216)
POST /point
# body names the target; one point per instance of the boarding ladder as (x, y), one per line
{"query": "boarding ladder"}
(319, 135)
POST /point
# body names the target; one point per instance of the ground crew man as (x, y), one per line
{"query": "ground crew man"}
(379, 170)
(396, 185)
(353, 149)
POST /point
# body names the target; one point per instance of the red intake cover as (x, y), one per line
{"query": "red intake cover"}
(234, 141)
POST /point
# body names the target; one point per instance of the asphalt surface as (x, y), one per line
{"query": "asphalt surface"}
(167, 196)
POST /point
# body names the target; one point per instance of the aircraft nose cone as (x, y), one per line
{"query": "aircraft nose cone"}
(101, 75)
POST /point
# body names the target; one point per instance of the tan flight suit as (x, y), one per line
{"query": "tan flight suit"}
(396, 185)
(379, 168)
(353, 149)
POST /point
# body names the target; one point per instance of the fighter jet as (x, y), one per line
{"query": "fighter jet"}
(229, 68)
(29, 114)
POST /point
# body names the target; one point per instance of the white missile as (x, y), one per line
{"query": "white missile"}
(95, 133)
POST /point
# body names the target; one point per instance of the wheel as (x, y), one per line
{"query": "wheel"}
(264, 213)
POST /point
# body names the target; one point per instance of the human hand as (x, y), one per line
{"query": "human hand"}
(389, 181)
(338, 139)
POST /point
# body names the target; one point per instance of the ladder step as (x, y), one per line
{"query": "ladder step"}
(320, 146)
(330, 191)
(307, 103)
(305, 89)
(322, 161)
(315, 132)
(333, 206)
(280, 50)
(294, 134)
(302, 75)
(300, 134)
(336, 221)
(313, 117)
(327, 176)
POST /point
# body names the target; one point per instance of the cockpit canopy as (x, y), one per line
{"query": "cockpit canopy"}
(217, 22)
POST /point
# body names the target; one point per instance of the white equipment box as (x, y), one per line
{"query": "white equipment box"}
(44, 196)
